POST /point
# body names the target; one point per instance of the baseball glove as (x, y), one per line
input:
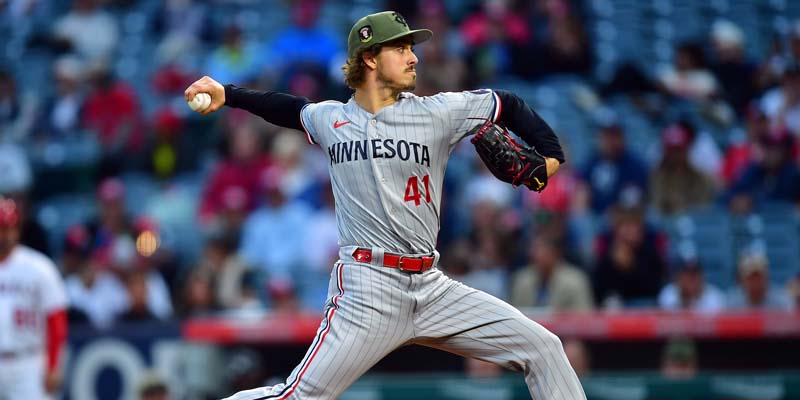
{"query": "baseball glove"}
(508, 160)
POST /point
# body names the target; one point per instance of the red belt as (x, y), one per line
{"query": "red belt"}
(403, 263)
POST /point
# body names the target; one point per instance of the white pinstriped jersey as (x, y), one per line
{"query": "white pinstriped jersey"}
(387, 169)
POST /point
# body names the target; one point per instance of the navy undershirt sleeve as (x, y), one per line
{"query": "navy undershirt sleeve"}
(529, 126)
(274, 107)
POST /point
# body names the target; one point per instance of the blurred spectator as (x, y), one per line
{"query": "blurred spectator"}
(704, 152)
(170, 152)
(483, 187)
(488, 269)
(560, 43)
(142, 255)
(689, 291)
(441, 69)
(564, 194)
(438, 16)
(96, 292)
(488, 205)
(227, 271)
(679, 359)
(630, 268)
(17, 111)
(629, 78)
(676, 185)
(233, 214)
(773, 177)
(305, 81)
(783, 53)
(304, 42)
(754, 291)
(283, 296)
(88, 31)
(136, 285)
(152, 386)
(129, 262)
(112, 218)
(181, 24)
(184, 18)
(197, 295)
(76, 250)
(273, 235)
(60, 115)
(171, 212)
(550, 282)
(563, 228)
(487, 245)
(782, 104)
(578, 357)
(129, 245)
(289, 153)
(112, 112)
(735, 73)
(457, 258)
(689, 78)
(171, 78)
(745, 149)
(492, 36)
(234, 182)
(235, 60)
(613, 170)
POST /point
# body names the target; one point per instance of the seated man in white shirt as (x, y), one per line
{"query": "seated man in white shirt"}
(689, 290)
(754, 291)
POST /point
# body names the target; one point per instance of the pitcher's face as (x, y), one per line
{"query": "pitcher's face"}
(396, 65)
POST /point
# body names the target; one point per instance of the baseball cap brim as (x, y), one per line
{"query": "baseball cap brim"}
(417, 36)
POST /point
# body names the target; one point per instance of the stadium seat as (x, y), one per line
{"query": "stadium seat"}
(709, 231)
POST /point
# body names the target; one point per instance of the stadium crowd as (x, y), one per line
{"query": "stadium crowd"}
(153, 213)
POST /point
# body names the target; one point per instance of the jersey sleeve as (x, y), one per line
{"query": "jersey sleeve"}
(54, 294)
(469, 108)
(307, 119)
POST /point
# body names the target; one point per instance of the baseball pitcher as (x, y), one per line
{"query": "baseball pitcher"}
(33, 320)
(388, 150)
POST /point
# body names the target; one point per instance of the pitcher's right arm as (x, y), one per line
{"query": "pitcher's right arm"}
(278, 108)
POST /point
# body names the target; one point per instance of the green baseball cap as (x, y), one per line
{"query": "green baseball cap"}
(382, 27)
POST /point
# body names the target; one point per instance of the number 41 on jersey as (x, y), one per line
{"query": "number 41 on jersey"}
(413, 190)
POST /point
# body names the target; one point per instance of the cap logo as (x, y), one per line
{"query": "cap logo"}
(365, 34)
(400, 20)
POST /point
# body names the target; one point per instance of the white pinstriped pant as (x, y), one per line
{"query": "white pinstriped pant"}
(373, 310)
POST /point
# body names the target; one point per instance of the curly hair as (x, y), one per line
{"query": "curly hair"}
(354, 68)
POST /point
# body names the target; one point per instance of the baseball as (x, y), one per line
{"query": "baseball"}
(200, 102)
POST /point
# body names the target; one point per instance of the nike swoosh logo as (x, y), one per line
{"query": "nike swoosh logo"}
(337, 124)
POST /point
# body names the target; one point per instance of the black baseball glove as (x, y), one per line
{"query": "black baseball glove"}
(508, 160)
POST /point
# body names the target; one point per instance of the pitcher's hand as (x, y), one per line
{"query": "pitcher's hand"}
(210, 86)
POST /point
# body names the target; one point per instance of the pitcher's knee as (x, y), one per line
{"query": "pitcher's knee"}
(543, 344)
